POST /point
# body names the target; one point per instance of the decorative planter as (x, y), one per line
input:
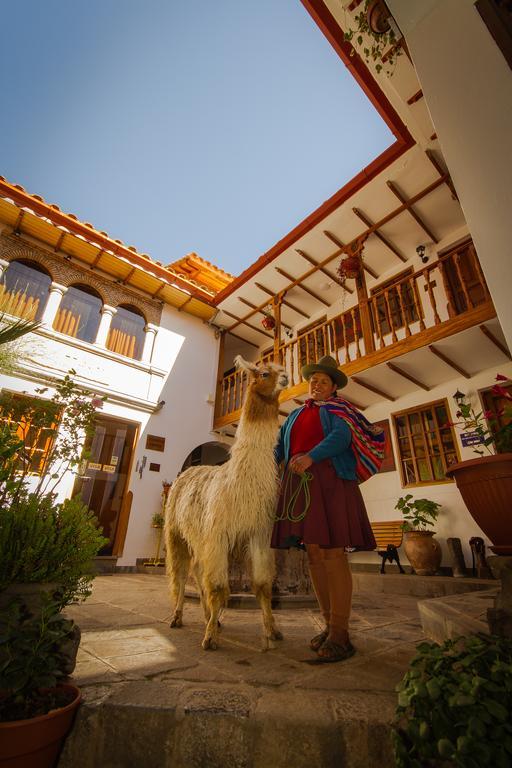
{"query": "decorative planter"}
(485, 485)
(377, 16)
(349, 267)
(423, 552)
(36, 743)
(268, 323)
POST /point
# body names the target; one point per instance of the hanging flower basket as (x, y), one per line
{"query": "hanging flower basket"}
(268, 323)
(349, 268)
(377, 16)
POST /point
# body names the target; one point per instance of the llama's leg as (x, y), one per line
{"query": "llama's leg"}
(199, 579)
(263, 570)
(216, 587)
(178, 563)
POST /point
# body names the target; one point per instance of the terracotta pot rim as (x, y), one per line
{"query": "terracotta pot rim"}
(420, 533)
(468, 463)
(52, 713)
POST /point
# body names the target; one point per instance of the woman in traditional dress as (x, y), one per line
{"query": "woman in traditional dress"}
(327, 447)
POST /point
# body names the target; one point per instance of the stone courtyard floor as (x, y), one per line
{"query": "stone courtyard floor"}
(153, 697)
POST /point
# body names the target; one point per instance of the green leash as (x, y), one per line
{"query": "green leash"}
(303, 484)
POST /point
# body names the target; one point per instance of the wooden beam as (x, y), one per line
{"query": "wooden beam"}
(485, 330)
(377, 391)
(397, 211)
(340, 245)
(16, 228)
(130, 274)
(369, 223)
(240, 338)
(301, 285)
(285, 302)
(407, 376)
(242, 321)
(415, 97)
(417, 218)
(449, 362)
(441, 171)
(96, 258)
(324, 271)
(158, 290)
(253, 306)
(58, 244)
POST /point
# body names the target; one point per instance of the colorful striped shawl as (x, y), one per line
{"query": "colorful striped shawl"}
(368, 440)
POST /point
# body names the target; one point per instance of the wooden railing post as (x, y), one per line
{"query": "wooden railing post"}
(220, 375)
(276, 302)
(364, 313)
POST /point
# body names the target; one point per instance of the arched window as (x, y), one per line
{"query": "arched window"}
(79, 313)
(126, 335)
(24, 289)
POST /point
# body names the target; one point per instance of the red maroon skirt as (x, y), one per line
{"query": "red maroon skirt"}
(335, 516)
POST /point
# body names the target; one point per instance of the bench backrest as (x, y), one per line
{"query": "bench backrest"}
(388, 532)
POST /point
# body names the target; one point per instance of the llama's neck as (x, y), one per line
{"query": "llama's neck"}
(258, 425)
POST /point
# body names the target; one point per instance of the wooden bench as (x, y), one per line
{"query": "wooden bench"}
(388, 535)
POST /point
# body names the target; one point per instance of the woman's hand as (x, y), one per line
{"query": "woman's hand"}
(300, 463)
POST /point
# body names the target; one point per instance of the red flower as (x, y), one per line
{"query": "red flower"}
(501, 392)
(501, 377)
(489, 414)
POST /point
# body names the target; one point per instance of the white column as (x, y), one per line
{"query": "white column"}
(3, 266)
(57, 291)
(151, 332)
(107, 313)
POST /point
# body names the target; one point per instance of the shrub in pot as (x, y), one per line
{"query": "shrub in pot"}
(454, 705)
(422, 550)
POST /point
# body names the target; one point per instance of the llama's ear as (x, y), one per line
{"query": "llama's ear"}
(276, 367)
(245, 364)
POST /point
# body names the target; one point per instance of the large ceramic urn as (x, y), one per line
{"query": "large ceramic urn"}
(423, 552)
(485, 485)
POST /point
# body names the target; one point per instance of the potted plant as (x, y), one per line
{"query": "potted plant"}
(422, 550)
(157, 521)
(454, 705)
(485, 482)
(376, 35)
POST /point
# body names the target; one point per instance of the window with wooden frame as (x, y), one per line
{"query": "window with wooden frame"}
(35, 422)
(126, 335)
(426, 443)
(312, 342)
(495, 405)
(394, 301)
(79, 313)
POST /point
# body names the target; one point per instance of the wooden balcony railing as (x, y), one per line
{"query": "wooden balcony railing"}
(432, 298)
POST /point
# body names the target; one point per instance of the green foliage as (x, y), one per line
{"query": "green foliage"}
(418, 514)
(454, 705)
(380, 44)
(42, 541)
(32, 656)
(157, 521)
(484, 423)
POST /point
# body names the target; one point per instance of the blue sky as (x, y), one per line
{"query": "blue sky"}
(181, 125)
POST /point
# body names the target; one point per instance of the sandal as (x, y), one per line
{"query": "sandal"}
(331, 652)
(318, 640)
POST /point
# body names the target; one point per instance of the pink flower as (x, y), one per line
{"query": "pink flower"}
(501, 392)
(501, 377)
(489, 414)
(97, 402)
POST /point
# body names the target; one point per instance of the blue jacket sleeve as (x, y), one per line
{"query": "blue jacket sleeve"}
(279, 447)
(337, 441)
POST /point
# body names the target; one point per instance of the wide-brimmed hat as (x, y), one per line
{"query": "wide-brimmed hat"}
(326, 365)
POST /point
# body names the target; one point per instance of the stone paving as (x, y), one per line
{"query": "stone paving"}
(153, 697)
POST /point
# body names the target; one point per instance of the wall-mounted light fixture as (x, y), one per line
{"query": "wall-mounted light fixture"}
(420, 250)
(159, 406)
(459, 397)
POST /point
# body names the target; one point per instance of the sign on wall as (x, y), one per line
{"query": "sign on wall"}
(470, 438)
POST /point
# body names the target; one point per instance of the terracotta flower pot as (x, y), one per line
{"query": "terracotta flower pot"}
(36, 743)
(423, 552)
(377, 16)
(485, 484)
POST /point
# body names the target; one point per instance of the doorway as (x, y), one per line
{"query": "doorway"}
(103, 481)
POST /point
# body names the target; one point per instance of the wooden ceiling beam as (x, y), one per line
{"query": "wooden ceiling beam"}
(490, 335)
(396, 369)
(158, 290)
(59, 242)
(283, 301)
(96, 258)
(130, 274)
(340, 244)
(449, 361)
(441, 171)
(417, 218)
(16, 229)
(389, 217)
(302, 286)
(387, 242)
(240, 338)
(373, 389)
(243, 321)
(415, 97)
(261, 311)
(323, 270)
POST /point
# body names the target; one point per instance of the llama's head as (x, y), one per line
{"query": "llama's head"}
(266, 379)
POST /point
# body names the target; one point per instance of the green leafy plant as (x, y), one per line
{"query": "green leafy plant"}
(484, 424)
(454, 705)
(381, 44)
(32, 659)
(157, 521)
(418, 514)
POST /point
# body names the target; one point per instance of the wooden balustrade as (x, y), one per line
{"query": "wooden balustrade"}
(439, 292)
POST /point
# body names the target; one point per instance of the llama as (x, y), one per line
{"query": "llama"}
(211, 511)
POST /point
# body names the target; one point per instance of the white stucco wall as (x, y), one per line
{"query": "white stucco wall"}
(467, 85)
(382, 491)
(182, 373)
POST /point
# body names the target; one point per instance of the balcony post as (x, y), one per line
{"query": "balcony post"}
(276, 302)
(364, 308)
(220, 375)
